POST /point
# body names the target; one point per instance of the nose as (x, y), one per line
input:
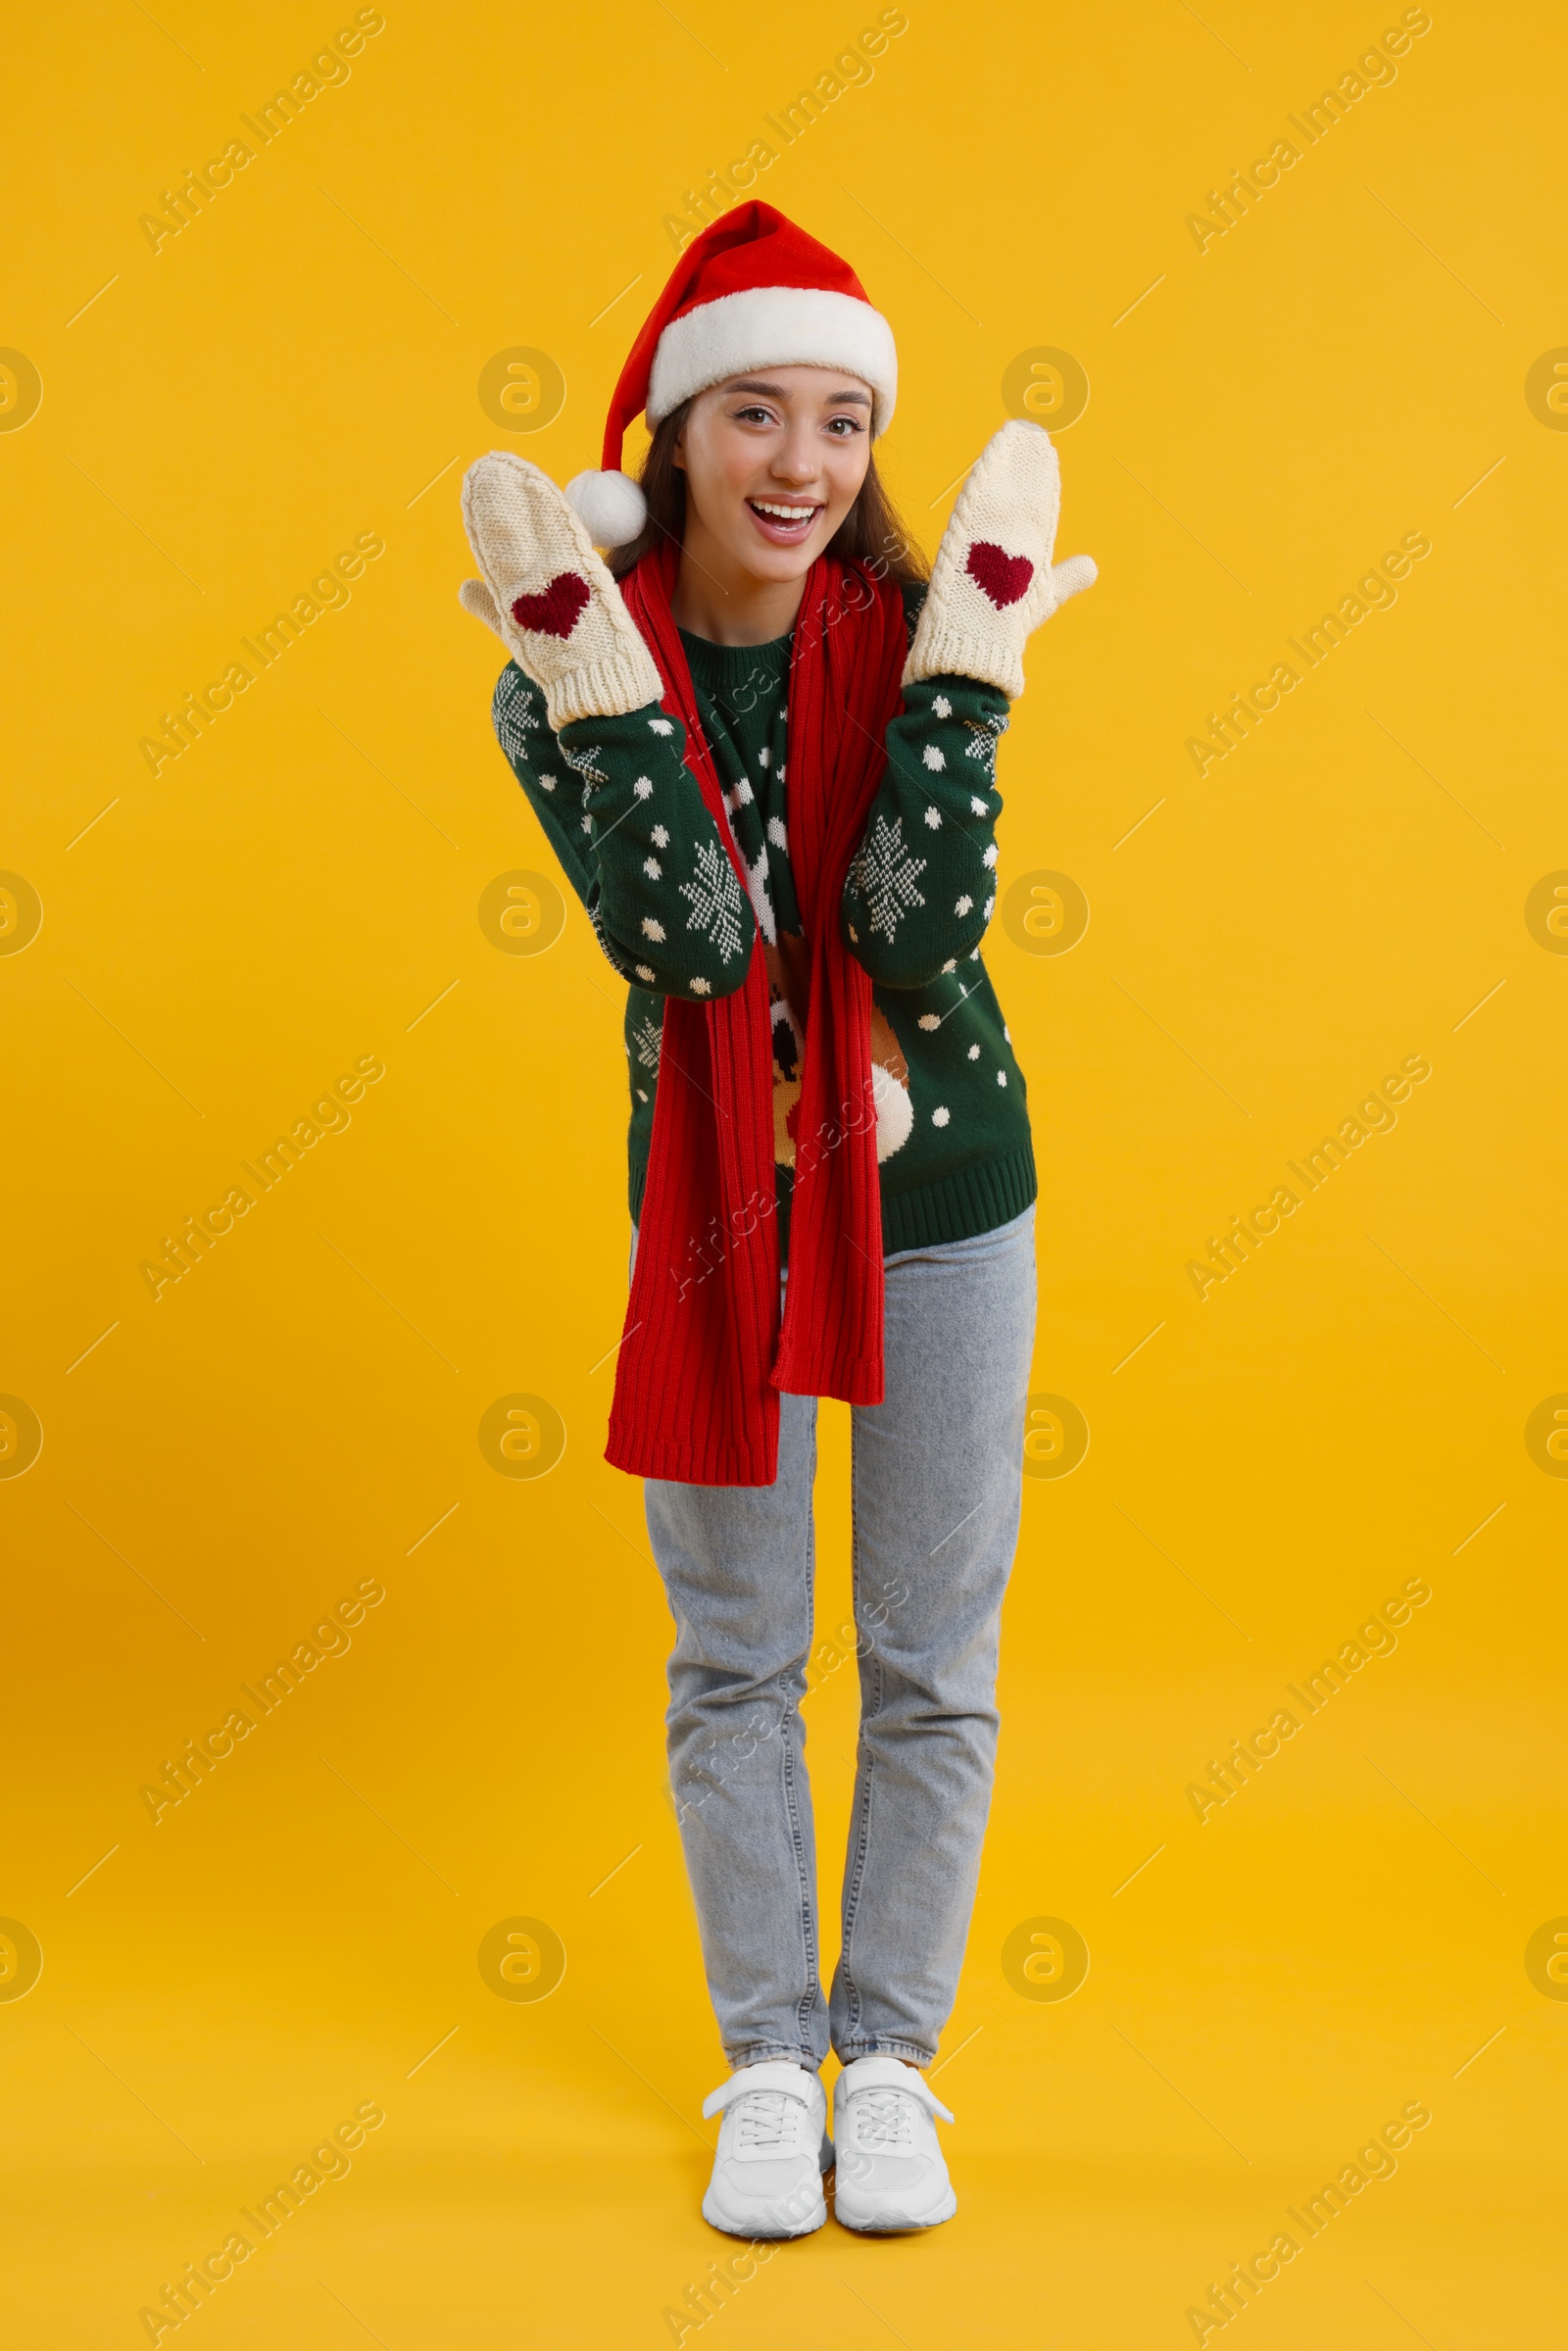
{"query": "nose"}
(794, 460)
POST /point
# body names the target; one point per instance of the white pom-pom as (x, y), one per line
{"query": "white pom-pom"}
(610, 504)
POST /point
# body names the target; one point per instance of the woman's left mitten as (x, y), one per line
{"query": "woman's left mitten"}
(994, 581)
(550, 598)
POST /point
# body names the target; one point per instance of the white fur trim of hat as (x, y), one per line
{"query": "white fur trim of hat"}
(775, 327)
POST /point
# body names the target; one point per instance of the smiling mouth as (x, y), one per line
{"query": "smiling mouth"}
(782, 520)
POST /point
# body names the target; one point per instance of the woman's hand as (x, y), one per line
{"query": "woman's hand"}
(994, 580)
(549, 597)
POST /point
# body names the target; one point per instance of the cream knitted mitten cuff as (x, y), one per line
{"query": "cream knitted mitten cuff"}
(993, 580)
(549, 595)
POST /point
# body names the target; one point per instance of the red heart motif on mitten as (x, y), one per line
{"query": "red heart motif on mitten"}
(1001, 576)
(556, 612)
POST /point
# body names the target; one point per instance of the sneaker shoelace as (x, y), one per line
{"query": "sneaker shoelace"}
(770, 2121)
(885, 2119)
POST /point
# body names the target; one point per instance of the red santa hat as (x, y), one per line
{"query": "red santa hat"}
(752, 291)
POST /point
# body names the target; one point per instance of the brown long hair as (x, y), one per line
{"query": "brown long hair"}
(871, 532)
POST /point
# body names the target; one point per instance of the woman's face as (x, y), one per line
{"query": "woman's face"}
(773, 463)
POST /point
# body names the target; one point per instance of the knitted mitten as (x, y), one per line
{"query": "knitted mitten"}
(993, 580)
(549, 597)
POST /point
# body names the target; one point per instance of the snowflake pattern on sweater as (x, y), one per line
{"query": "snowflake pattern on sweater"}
(714, 898)
(645, 1040)
(884, 875)
(984, 735)
(645, 859)
(518, 714)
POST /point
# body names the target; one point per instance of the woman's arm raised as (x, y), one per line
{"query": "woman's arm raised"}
(921, 888)
(645, 855)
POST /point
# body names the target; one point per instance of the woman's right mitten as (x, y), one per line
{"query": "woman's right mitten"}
(557, 609)
(993, 581)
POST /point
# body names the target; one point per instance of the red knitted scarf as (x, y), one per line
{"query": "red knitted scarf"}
(702, 1357)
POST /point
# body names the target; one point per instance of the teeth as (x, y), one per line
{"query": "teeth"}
(786, 514)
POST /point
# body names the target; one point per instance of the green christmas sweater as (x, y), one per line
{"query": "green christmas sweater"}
(628, 820)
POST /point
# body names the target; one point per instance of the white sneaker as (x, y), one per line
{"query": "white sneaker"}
(773, 2148)
(891, 2171)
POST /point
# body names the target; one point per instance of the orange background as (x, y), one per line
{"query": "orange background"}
(300, 1414)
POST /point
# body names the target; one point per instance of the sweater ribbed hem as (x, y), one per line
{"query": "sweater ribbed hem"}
(956, 1207)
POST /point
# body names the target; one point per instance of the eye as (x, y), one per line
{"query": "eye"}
(758, 416)
(842, 427)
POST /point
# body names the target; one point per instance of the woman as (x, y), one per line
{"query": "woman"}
(764, 750)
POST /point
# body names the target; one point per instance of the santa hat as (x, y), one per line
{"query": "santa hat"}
(752, 291)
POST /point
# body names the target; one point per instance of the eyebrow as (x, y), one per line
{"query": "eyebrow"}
(777, 392)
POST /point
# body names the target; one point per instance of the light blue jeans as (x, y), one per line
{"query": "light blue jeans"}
(937, 1477)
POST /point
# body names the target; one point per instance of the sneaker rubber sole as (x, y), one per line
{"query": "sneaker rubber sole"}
(718, 2216)
(889, 2222)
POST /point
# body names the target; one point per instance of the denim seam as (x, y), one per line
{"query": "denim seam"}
(811, 1991)
(854, 1878)
(808, 1994)
(871, 1707)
